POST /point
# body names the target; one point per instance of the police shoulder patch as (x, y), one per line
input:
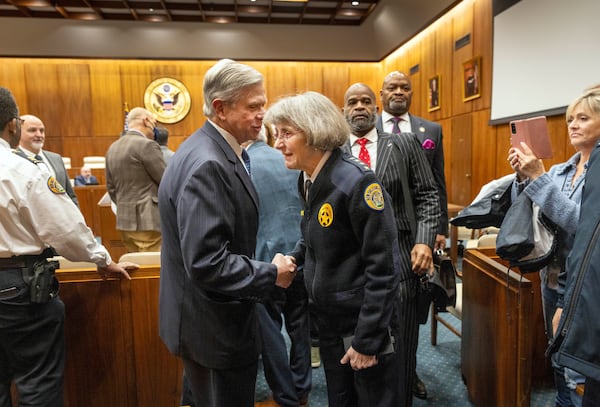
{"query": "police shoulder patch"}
(374, 197)
(55, 186)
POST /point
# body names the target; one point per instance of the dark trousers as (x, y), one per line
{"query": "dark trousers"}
(376, 386)
(32, 345)
(221, 387)
(290, 379)
(407, 325)
(187, 398)
(591, 394)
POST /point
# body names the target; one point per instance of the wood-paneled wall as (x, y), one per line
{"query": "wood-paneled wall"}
(81, 100)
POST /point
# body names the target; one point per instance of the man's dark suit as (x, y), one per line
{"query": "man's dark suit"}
(58, 166)
(81, 181)
(406, 176)
(425, 129)
(209, 282)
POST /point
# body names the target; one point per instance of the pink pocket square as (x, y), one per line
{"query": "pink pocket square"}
(428, 144)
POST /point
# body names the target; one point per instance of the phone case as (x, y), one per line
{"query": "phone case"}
(534, 132)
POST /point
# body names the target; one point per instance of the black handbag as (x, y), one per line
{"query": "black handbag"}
(438, 287)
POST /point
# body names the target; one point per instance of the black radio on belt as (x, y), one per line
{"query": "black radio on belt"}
(43, 285)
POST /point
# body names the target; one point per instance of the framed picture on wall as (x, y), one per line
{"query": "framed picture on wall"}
(433, 85)
(472, 79)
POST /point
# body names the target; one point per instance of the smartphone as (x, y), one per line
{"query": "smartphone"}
(534, 133)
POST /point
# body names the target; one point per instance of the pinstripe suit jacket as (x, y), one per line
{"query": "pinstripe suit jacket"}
(425, 129)
(406, 176)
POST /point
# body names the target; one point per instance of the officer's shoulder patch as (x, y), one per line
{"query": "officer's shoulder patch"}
(374, 197)
(55, 186)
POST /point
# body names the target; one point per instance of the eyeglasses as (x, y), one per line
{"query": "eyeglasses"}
(284, 135)
(21, 121)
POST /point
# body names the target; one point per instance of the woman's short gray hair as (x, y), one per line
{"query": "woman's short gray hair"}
(227, 80)
(321, 121)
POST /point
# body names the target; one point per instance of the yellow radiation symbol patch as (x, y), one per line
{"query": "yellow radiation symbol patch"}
(326, 215)
(374, 197)
(54, 186)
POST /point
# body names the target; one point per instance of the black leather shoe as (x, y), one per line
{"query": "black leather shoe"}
(419, 389)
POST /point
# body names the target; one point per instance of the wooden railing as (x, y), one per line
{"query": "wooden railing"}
(503, 341)
(114, 354)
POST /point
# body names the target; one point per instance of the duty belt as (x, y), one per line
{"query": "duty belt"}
(24, 261)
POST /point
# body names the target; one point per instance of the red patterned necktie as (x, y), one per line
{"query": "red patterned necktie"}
(396, 127)
(363, 154)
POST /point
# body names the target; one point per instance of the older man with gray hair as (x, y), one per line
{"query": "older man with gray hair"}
(209, 282)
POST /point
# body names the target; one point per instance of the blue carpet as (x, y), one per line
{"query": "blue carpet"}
(439, 368)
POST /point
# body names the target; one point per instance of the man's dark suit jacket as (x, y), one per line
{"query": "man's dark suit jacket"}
(425, 129)
(58, 166)
(80, 181)
(209, 283)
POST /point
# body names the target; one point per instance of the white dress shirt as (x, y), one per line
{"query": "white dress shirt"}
(388, 124)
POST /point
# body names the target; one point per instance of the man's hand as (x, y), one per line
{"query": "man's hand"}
(118, 268)
(440, 242)
(421, 258)
(286, 270)
(357, 360)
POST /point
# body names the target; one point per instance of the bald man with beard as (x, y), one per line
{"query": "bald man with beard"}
(402, 167)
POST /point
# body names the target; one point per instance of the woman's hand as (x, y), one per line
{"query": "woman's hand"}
(525, 163)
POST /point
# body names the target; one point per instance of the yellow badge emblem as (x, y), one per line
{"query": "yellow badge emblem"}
(54, 186)
(326, 215)
(374, 197)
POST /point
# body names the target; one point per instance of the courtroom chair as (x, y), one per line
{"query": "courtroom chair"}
(67, 162)
(93, 161)
(142, 258)
(487, 238)
(482, 238)
(456, 311)
(68, 264)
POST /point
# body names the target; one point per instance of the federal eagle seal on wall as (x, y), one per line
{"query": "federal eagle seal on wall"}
(168, 99)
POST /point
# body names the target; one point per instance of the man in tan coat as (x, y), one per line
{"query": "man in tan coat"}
(134, 168)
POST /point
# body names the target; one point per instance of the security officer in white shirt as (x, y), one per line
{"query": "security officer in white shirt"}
(35, 214)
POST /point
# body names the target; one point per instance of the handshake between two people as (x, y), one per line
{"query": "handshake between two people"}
(286, 270)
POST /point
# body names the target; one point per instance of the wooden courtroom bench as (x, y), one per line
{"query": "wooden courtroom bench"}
(114, 354)
(503, 340)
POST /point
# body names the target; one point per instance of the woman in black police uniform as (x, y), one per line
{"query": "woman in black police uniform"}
(349, 250)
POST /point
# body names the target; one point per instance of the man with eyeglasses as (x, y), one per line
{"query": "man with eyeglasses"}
(134, 168)
(32, 315)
